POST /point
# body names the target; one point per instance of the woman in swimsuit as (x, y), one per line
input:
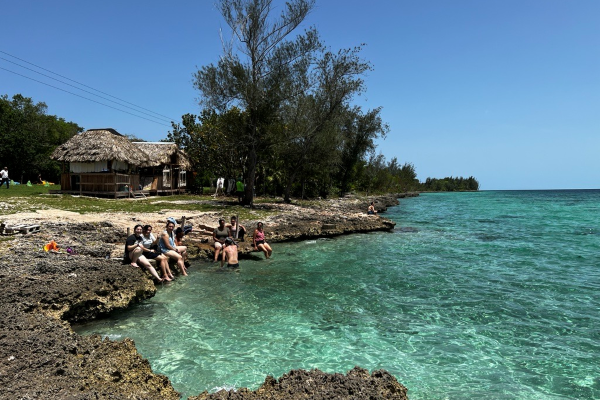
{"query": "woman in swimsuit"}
(233, 229)
(134, 252)
(220, 233)
(167, 246)
(151, 252)
(258, 241)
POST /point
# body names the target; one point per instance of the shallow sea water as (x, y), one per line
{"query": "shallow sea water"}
(491, 294)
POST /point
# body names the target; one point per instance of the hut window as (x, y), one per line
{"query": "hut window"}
(166, 177)
(182, 179)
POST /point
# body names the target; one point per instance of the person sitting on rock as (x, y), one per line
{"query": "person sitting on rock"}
(372, 210)
(230, 254)
(151, 252)
(233, 229)
(167, 246)
(179, 244)
(220, 233)
(134, 252)
(258, 241)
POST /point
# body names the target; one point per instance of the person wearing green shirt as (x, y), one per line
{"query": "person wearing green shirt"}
(239, 187)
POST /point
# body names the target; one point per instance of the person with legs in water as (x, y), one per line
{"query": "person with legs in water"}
(180, 246)
(134, 252)
(151, 252)
(220, 233)
(167, 246)
(258, 241)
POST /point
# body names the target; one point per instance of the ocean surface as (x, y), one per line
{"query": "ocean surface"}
(494, 294)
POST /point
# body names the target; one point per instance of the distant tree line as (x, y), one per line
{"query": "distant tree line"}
(28, 135)
(450, 184)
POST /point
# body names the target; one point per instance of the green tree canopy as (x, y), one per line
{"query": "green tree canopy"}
(28, 136)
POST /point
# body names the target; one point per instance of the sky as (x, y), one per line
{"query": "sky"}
(507, 91)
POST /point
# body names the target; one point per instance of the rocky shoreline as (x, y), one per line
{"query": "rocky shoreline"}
(44, 292)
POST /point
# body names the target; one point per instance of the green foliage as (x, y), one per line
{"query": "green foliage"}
(213, 144)
(278, 109)
(298, 133)
(379, 176)
(252, 77)
(450, 184)
(28, 136)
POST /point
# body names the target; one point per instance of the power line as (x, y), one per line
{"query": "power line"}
(84, 85)
(83, 97)
(86, 91)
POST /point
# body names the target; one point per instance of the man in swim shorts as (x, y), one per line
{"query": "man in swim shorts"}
(230, 253)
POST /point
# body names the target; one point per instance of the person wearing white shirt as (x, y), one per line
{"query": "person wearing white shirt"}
(4, 176)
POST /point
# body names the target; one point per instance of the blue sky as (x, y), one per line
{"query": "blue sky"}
(506, 91)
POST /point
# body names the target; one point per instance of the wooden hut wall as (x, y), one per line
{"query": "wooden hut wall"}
(99, 166)
(82, 168)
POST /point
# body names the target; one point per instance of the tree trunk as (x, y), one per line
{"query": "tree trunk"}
(251, 167)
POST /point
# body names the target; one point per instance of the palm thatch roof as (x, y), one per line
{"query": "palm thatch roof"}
(164, 153)
(99, 145)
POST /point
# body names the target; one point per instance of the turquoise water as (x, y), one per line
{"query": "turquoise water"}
(474, 295)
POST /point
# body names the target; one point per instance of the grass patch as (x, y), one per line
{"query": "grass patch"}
(23, 198)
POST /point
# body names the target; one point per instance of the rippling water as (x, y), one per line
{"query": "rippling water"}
(474, 295)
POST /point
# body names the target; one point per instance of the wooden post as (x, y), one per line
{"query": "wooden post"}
(128, 232)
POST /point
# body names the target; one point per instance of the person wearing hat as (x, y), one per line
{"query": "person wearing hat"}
(230, 253)
(4, 176)
(220, 233)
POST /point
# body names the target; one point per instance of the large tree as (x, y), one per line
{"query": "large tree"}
(28, 136)
(211, 141)
(249, 74)
(314, 114)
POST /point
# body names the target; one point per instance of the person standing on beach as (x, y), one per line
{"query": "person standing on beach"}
(230, 253)
(4, 176)
(239, 187)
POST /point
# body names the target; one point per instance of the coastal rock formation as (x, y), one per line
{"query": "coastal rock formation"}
(43, 292)
(317, 385)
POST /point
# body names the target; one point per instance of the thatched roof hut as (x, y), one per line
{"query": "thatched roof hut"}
(100, 144)
(164, 153)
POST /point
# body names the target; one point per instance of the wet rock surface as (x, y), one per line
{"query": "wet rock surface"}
(43, 292)
(317, 385)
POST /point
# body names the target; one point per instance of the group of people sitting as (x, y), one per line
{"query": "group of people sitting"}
(225, 236)
(143, 246)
